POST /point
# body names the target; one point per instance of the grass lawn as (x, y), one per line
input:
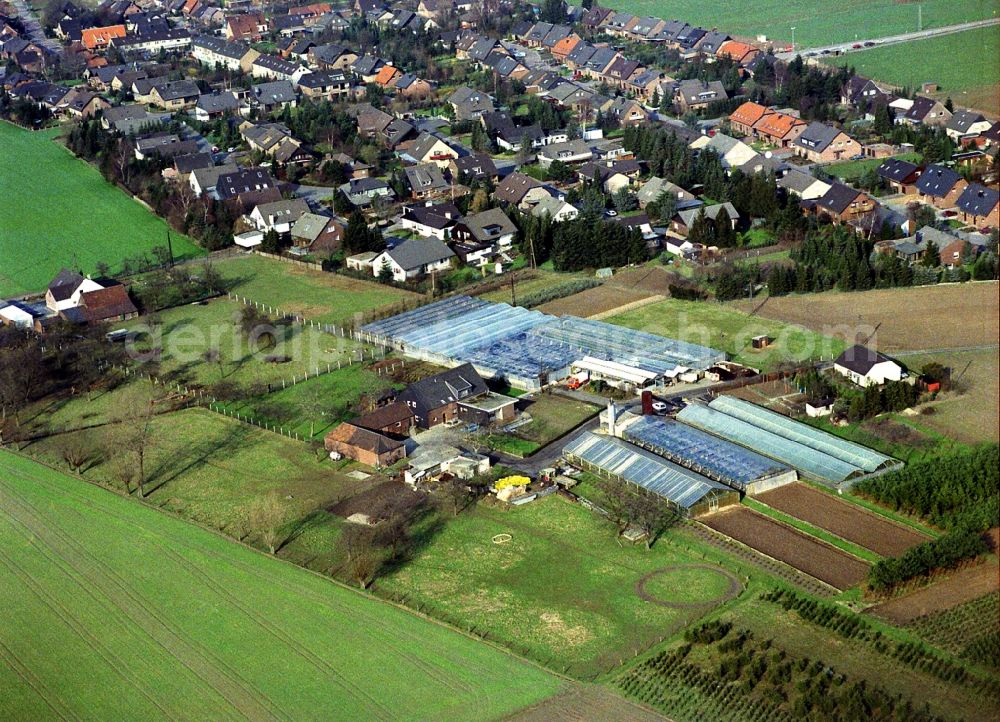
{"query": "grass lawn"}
(766, 257)
(290, 408)
(187, 332)
(562, 590)
(917, 62)
(58, 211)
(728, 330)
(115, 611)
(816, 22)
(854, 169)
(552, 416)
(326, 297)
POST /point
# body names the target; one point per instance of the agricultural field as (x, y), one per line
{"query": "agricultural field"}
(729, 329)
(970, 411)
(923, 317)
(212, 469)
(202, 344)
(945, 593)
(969, 84)
(314, 295)
(962, 629)
(593, 302)
(782, 542)
(313, 407)
(59, 212)
(561, 590)
(114, 610)
(816, 23)
(846, 520)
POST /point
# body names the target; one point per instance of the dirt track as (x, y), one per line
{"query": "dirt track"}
(779, 541)
(847, 521)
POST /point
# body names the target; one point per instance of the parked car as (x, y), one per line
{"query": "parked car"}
(659, 407)
(611, 214)
(869, 44)
(856, 46)
(949, 214)
(859, 156)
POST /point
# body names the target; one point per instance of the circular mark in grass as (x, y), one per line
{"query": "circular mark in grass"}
(687, 580)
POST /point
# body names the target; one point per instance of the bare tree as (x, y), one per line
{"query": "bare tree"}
(614, 498)
(649, 512)
(314, 403)
(132, 436)
(363, 568)
(75, 453)
(267, 516)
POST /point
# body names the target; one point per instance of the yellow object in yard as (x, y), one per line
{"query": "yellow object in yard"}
(511, 481)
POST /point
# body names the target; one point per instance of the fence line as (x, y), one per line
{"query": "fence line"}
(306, 264)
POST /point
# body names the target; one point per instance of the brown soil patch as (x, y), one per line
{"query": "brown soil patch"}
(797, 549)
(926, 317)
(592, 301)
(846, 520)
(586, 702)
(653, 280)
(962, 586)
(371, 501)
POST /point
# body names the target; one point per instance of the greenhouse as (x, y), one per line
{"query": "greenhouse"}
(708, 455)
(847, 451)
(807, 460)
(530, 348)
(617, 459)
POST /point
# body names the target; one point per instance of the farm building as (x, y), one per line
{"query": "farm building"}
(530, 349)
(688, 492)
(865, 367)
(811, 451)
(708, 455)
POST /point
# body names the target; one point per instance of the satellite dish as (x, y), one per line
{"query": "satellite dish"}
(767, 154)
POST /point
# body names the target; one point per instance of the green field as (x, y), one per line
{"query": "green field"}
(723, 328)
(919, 61)
(58, 211)
(116, 611)
(853, 169)
(563, 589)
(185, 333)
(817, 23)
(314, 295)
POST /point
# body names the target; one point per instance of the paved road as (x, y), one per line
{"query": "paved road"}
(890, 40)
(33, 27)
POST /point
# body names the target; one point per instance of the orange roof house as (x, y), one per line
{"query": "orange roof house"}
(388, 76)
(565, 46)
(93, 38)
(746, 116)
(311, 10)
(779, 128)
(740, 52)
(190, 6)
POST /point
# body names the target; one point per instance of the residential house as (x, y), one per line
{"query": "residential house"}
(822, 143)
(940, 186)
(780, 129)
(276, 141)
(900, 175)
(234, 184)
(627, 112)
(413, 259)
(743, 119)
(693, 95)
(431, 220)
(278, 216)
(387, 76)
(804, 185)
(102, 305)
(362, 191)
(430, 148)
(966, 123)
(320, 234)
(271, 67)
(356, 168)
(131, 119)
(490, 226)
(733, 153)
(171, 40)
(843, 204)
(925, 111)
(100, 38)
(413, 88)
(164, 145)
(274, 95)
(435, 400)
(864, 94)
(425, 181)
(683, 220)
(742, 53)
(653, 189)
(866, 367)
(203, 180)
(333, 86)
(979, 206)
(334, 56)
(557, 209)
(470, 104)
(364, 446)
(65, 289)
(520, 190)
(473, 167)
(562, 49)
(250, 27)
(611, 181)
(216, 105)
(395, 419)
(216, 52)
(572, 151)
(174, 95)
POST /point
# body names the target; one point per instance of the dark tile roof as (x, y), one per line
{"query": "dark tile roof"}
(978, 200)
(838, 198)
(894, 169)
(65, 282)
(936, 180)
(860, 359)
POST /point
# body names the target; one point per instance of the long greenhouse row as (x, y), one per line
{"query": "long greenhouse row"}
(529, 348)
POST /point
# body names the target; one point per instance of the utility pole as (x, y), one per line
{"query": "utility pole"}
(170, 249)
(513, 296)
